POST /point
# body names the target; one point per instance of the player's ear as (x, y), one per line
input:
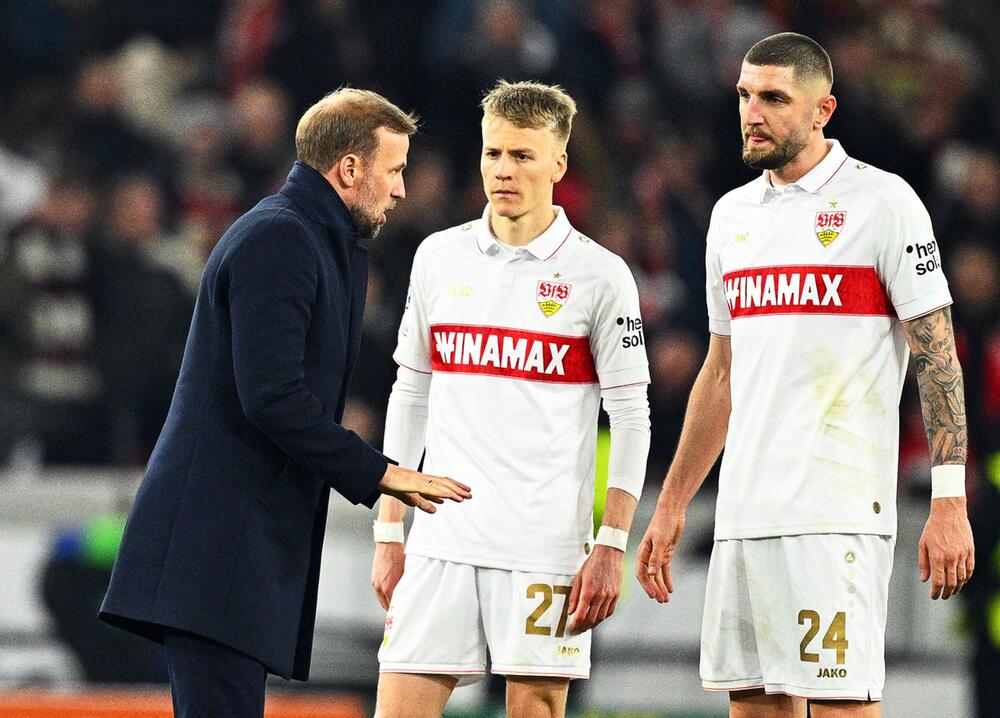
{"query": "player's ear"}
(824, 111)
(562, 163)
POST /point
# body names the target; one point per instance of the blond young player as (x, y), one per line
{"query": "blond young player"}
(517, 327)
(821, 273)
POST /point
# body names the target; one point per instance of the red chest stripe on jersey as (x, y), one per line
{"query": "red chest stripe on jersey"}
(514, 353)
(806, 289)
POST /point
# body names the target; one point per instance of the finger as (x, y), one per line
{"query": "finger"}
(937, 578)
(592, 617)
(668, 580)
(612, 606)
(603, 612)
(458, 489)
(923, 561)
(423, 504)
(641, 566)
(574, 595)
(580, 614)
(657, 555)
(659, 583)
(950, 581)
(382, 599)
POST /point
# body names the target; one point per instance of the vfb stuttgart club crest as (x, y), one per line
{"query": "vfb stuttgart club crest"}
(829, 225)
(551, 296)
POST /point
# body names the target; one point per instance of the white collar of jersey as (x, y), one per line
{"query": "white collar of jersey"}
(544, 246)
(813, 180)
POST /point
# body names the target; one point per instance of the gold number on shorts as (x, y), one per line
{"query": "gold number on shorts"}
(835, 638)
(531, 626)
(811, 632)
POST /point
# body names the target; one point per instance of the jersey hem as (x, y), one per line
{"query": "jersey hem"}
(542, 671)
(780, 531)
(466, 674)
(745, 684)
(826, 694)
(829, 694)
(501, 564)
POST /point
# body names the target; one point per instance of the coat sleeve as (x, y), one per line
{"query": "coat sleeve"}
(273, 280)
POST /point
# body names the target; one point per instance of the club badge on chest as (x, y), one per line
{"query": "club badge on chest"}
(551, 296)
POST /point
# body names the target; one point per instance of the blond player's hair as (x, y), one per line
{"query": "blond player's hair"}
(344, 122)
(533, 105)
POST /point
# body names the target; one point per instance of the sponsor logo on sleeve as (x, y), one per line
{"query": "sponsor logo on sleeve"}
(551, 296)
(829, 225)
(806, 289)
(926, 255)
(512, 353)
(632, 327)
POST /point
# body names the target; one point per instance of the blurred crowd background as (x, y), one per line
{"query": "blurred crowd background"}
(134, 132)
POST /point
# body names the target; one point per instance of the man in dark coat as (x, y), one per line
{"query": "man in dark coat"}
(220, 558)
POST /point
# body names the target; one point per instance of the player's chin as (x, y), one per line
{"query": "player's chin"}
(506, 205)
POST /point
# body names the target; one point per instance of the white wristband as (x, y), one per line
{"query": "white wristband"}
(615, 538)
(947, 480)
(388, 531)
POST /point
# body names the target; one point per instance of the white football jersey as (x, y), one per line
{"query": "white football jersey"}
(811, 281)
(519, 342)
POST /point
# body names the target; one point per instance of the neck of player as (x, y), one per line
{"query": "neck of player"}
(519, 231)
(810, 156)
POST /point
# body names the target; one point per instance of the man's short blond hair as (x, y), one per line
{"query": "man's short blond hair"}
(344, 122)
(532, 104)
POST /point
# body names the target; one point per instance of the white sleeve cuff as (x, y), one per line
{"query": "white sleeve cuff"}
(628, 411)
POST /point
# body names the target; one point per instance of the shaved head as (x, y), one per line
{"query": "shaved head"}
(806, 57)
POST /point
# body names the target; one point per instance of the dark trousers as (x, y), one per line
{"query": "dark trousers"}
(209, 680)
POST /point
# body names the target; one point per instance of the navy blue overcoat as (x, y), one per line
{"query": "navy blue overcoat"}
(226, 532)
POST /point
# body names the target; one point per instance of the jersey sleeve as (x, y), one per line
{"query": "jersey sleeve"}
(413, 340)
(910, 265)
(617, 340)
(715, 291)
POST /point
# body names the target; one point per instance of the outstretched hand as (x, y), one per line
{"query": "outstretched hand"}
(421, 490)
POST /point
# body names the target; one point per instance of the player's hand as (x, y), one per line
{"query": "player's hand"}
(947, 554)
(596, 589)
(387, 569)
(421, 490)
(656, 550)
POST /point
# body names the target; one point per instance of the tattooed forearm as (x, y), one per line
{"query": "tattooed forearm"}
(939, 377)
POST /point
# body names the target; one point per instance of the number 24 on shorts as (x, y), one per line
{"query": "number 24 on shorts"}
(835, 638)
(531, 627)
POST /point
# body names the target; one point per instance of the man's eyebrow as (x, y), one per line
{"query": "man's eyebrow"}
(510, 150)
(775, 93)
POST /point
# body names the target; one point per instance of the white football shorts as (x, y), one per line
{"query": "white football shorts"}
(443, 615)
(800, 615)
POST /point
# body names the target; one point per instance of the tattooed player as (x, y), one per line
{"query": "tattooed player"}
(820, 273)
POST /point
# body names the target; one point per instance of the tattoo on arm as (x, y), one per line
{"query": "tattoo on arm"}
(939, 377)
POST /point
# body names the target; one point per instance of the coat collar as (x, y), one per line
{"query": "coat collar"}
(314, 194)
